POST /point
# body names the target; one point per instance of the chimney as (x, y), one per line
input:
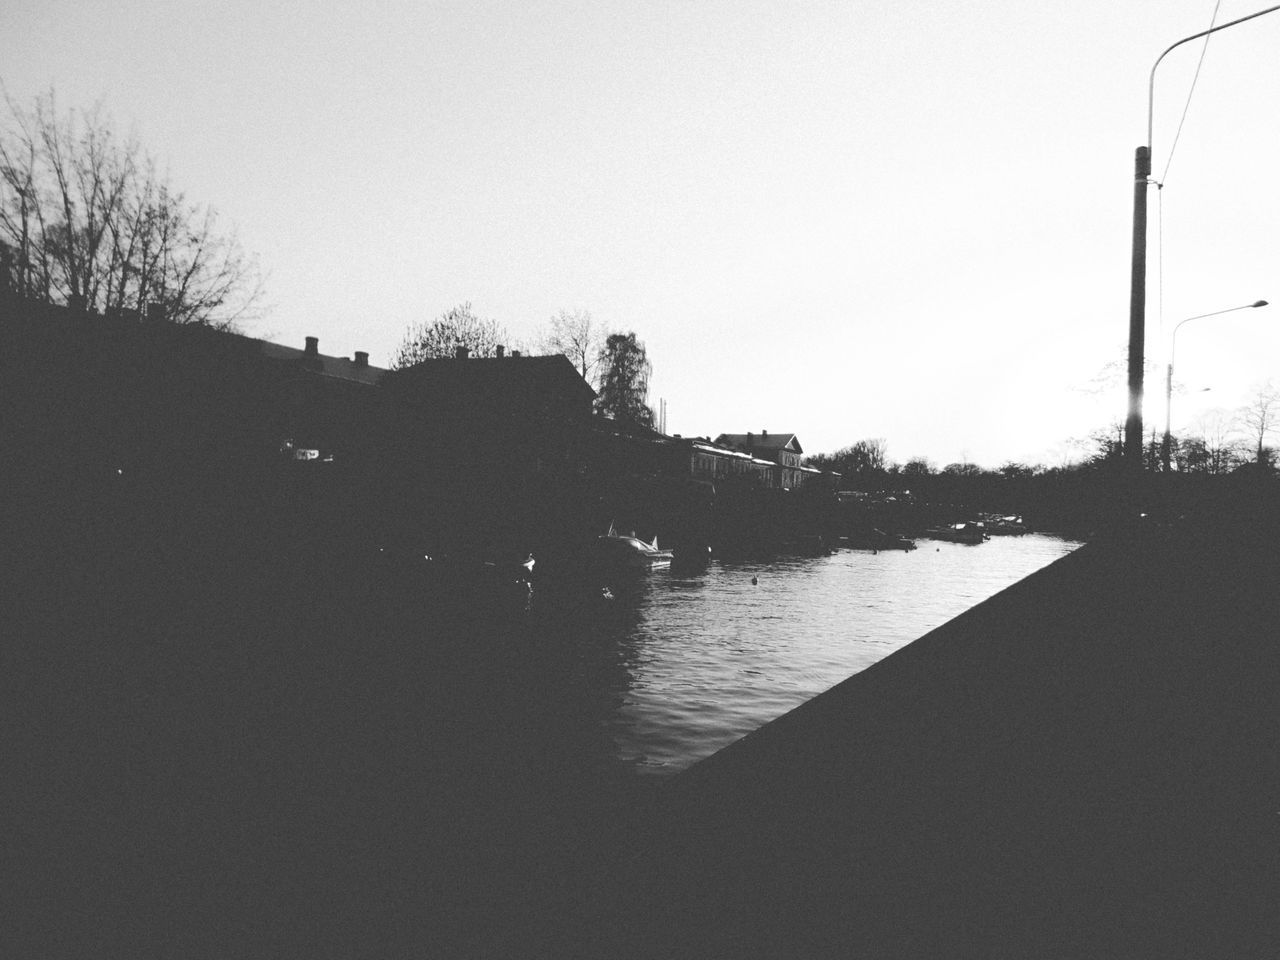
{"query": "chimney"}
(313, 346)
(764, 434)
(362, 358)
(515, 353)
(461, 353)
(502, 351)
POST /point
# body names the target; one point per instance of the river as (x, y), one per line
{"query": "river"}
(713, 655)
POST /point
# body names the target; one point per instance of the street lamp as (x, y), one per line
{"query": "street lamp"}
(1138, 281)
(1168, 377)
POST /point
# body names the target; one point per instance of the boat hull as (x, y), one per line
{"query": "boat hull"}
(630, 553)
(961, 533)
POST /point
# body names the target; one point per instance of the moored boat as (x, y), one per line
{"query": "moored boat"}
(971, 533)
(876, 539)
(1005, 526)
(628, 551)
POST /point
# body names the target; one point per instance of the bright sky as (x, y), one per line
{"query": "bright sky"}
(887, 218)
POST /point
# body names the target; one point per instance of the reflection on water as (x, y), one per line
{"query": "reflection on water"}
(715, 654)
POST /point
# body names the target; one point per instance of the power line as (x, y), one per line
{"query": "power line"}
(1213, 20)
(1187, 106)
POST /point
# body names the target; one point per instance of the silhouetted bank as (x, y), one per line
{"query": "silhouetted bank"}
(482, 457)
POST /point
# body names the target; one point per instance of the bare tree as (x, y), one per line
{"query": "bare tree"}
(89, 224)
(440, 338)
(22, 210)
(577, 335)
(871, 455)
(1258, 417)
(917, 467)
(1214, 447)
(865, 460)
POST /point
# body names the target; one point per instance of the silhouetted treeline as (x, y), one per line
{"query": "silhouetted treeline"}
(1077, 498)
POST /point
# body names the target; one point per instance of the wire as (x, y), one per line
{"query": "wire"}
(1160, 256)
(1187, 106)
(1173, 146)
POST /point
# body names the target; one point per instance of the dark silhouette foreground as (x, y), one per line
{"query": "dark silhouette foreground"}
(224, 755)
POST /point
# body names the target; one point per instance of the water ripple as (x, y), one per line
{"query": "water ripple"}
(717, 656)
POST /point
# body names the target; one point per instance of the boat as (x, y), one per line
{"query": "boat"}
(628, 551)
(971, 533)
(1006, 527)
(876, 539)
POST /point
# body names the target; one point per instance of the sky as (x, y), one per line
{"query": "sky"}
(844, 220)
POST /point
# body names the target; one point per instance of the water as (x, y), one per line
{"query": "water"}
(712, 656)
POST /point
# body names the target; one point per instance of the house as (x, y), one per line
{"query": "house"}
(126, 392)
(701, 459)
(317, 401)
(508, 412)
(354, 370)
(783, 450)
(503, 385)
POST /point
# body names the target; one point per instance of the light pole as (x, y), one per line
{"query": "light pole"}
(1138, 276)
(1168, 377)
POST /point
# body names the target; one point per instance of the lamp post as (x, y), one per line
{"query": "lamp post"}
(1138, 276)
(1168, 377)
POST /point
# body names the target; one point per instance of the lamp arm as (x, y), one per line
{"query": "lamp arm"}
(1151, 83)
(1173, 337)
